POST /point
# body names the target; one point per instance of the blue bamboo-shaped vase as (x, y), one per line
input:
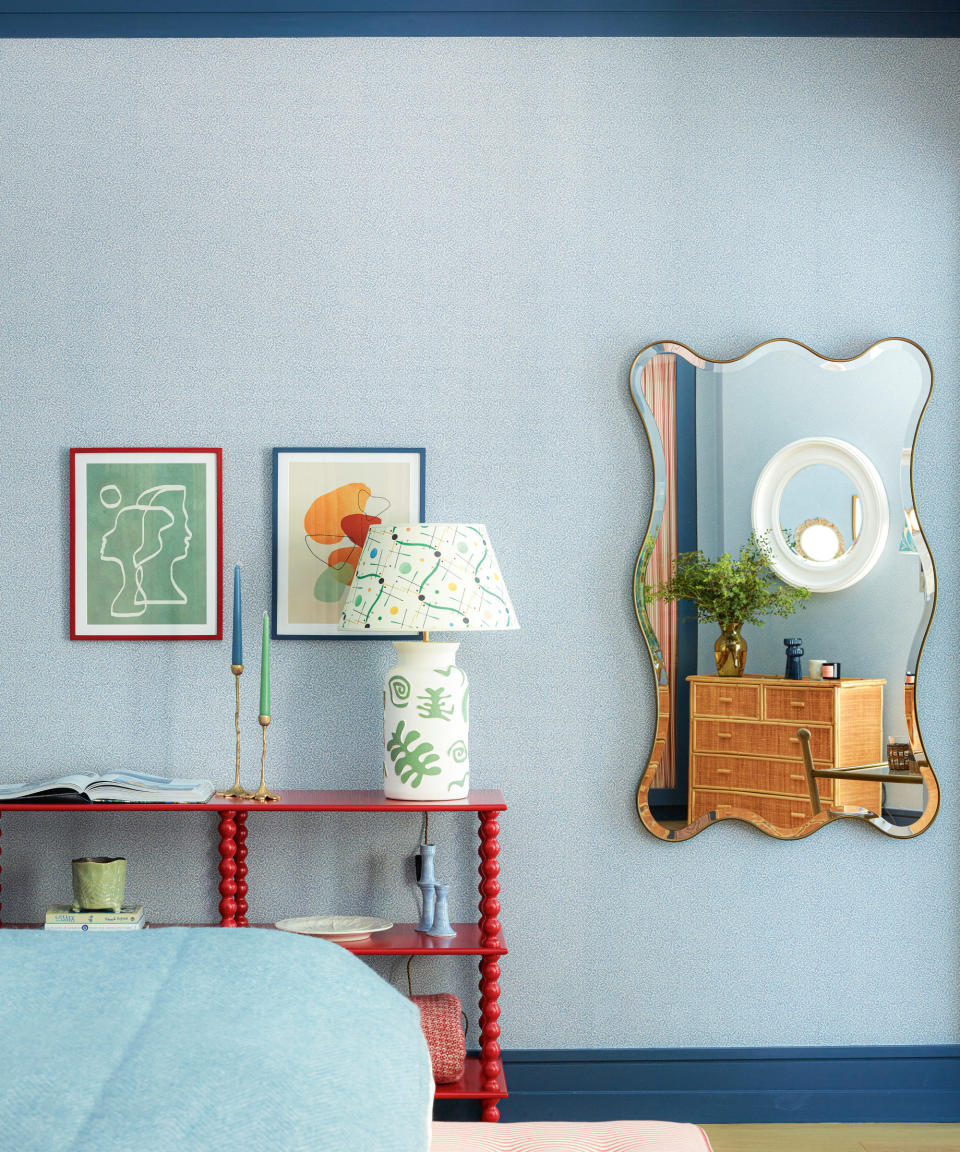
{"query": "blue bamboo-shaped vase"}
(427, 853)
(441, 918)
(428, 893)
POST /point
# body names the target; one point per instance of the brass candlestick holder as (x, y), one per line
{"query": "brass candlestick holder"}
(237, 791)
(262, 795)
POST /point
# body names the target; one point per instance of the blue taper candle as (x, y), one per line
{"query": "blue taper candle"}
(237, 659)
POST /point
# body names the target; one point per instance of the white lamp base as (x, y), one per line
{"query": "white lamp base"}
(425, 723)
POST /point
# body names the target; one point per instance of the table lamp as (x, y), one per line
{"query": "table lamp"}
(426, 578)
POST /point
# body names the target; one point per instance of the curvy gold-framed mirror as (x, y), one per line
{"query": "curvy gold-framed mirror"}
(809, 459)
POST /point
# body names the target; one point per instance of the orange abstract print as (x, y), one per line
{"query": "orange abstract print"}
(335, 516)
(324, 521)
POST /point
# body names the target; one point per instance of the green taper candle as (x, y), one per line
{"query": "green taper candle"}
(265, 668)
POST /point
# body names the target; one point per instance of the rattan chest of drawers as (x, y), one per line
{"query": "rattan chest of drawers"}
(744, 749)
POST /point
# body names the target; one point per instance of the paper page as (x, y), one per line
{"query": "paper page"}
(76, 783)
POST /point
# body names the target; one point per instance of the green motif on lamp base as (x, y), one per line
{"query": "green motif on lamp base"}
(411, 759)
(399, 689)
(434, 704)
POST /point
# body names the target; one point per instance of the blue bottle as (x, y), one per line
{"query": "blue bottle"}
(794, 651)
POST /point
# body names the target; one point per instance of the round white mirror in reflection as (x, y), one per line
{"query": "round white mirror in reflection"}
(805, 492)
(818, 540)
(818, 508)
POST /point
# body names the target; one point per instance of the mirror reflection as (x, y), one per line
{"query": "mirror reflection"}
(784, 589)
(817, 511)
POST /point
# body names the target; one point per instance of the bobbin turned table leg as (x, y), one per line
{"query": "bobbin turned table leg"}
(490, 1113)
(241, 877)
(228, 869)
(489, 888)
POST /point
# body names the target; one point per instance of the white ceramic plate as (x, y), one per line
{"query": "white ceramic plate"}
(344, 928)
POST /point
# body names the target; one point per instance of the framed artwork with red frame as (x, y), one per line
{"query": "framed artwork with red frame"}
(146, 543)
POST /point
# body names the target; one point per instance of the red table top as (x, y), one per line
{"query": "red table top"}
(313, 800)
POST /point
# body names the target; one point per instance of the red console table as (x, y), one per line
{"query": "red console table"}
(483, 1078)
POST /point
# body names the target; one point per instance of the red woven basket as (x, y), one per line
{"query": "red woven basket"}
(441, 1021)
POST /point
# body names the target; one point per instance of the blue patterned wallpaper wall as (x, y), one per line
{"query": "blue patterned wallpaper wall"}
(462, 244)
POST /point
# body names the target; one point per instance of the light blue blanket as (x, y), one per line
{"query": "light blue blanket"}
(204, 1040)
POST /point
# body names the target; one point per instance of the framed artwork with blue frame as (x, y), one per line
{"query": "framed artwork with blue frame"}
(324, 502)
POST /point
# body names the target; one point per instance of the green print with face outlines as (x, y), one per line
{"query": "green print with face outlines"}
(146, 543)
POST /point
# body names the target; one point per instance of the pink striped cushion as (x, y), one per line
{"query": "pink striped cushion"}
(615, 1136)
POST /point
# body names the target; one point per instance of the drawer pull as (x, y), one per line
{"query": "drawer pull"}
(724, 735)
(725, 699)
(723, 771)
(798, 704)
(794, 739)
(796, 776)
(800, 815)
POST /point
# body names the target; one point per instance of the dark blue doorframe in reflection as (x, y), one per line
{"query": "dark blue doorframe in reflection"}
(671, 803)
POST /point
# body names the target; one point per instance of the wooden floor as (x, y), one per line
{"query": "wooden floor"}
(834, 1137)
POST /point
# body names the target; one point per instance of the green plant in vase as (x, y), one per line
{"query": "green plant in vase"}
(730, 593)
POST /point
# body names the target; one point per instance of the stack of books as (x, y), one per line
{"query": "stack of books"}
(62, 918)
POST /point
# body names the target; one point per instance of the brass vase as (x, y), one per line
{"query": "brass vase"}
(730, 650)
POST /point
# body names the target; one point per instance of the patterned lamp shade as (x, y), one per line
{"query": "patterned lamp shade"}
(427, 578)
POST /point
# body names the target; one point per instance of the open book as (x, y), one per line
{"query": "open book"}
(117, 785)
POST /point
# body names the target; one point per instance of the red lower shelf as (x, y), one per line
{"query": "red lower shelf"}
(400, 940)
(405, 940)
(469, 1086)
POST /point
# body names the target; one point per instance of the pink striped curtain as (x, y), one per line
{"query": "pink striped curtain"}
(659, 385)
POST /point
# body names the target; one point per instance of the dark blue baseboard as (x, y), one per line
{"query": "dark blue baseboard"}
(909, 1084)
(190, 18)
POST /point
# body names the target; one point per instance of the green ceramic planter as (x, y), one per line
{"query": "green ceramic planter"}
(98, 882)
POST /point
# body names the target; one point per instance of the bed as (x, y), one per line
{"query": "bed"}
(209, 1040)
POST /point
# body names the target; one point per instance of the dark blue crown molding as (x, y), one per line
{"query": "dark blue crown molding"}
(882, 1084)
(202, 18)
